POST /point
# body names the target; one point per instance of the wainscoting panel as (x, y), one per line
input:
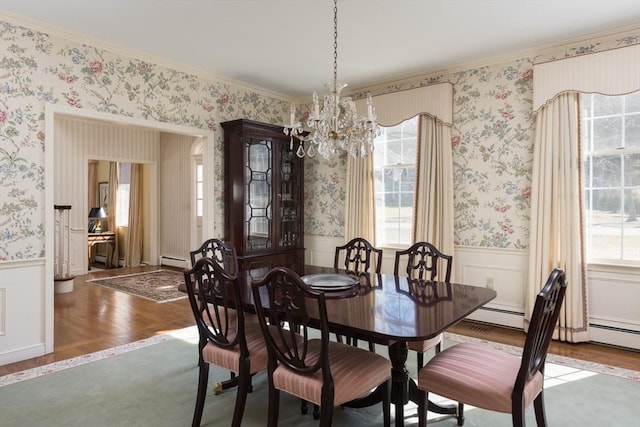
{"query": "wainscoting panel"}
(22, 317)
(504, 270)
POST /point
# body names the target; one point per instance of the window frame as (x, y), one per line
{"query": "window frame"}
(379, 165)
(589, 151)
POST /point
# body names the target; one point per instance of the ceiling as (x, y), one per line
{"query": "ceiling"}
(286, 46)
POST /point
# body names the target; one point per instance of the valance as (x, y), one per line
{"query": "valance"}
(394, 108)
(610, 72)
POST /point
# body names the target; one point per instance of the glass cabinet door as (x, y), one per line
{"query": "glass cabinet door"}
(258, 194)
(289, 197)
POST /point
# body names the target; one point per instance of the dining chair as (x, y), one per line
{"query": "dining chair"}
(225, 339)
(422, 262)
(221, 252)
(493, 379)
(357, 256)
(325, 373)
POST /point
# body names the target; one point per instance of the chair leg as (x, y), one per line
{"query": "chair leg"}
(316, 412)
(460, 416)
(372, 347)
(244, 383)
(304, 408)
(538, 406)
(274, 406)
(422, 408)
(386, 404)
(203, 379)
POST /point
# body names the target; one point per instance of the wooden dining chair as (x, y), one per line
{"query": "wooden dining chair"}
(357, 256)
(493, 379)
(422, 262)
(225, 339)
(221, 252)
(323, 372)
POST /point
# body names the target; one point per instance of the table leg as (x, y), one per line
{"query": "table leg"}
(398, 352)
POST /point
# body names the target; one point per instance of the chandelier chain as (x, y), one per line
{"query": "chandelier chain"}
(335, 41)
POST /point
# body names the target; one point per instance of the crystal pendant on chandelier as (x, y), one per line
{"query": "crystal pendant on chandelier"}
(335, 127)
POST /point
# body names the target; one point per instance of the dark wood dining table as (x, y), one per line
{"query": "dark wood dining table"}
(392, 311)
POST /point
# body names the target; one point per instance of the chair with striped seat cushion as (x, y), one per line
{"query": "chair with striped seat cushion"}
(319, 371)
(226, 340)
(492, 379)
(422, 262)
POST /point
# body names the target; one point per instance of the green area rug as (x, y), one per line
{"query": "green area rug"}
(158, 285)
(153, 383)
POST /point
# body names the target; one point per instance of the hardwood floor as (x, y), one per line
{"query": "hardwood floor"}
(93, 318)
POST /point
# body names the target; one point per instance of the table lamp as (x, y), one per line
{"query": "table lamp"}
(96, 215)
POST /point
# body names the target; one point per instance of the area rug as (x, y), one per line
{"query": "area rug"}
(153, 383)
(159, 285)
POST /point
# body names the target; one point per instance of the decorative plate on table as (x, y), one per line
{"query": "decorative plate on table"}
(330, 282)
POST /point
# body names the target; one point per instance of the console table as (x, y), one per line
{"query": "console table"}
(108, 237)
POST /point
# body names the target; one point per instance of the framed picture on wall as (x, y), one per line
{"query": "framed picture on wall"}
(103, 193)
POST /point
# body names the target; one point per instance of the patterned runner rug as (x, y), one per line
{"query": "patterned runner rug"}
(159, 286)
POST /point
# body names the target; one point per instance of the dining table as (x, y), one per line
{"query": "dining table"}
(390, 311)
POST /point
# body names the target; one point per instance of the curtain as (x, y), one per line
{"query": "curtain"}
(433, 198)
(93, 185)
(133, 257)
(113, 208)
(556, 214)
(359, 214)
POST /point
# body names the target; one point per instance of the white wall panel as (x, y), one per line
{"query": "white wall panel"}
(175, 195)
(22, 285)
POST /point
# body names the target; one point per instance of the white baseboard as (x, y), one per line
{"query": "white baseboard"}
(20, 354)
(174, 262)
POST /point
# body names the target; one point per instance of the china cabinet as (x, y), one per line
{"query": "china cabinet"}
(263, 195)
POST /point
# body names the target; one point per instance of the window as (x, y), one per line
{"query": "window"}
(611, 160)
(124, 179)
(394, 165)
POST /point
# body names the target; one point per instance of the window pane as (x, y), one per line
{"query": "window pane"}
(607, 105)
(632, 103)
(632, 131)
(393, 155)
(607, 133)
(606, 171)
(632, 171)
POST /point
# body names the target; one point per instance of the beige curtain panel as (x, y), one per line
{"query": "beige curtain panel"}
(133, 256)
(433, 214)
(360, 208)
(556, 214)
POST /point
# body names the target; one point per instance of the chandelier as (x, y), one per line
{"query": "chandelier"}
(336, 127)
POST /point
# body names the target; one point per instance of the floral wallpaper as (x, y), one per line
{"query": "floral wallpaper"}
(492, 132)
(36, 68)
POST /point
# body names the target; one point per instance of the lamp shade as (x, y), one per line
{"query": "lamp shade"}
(97, 213)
